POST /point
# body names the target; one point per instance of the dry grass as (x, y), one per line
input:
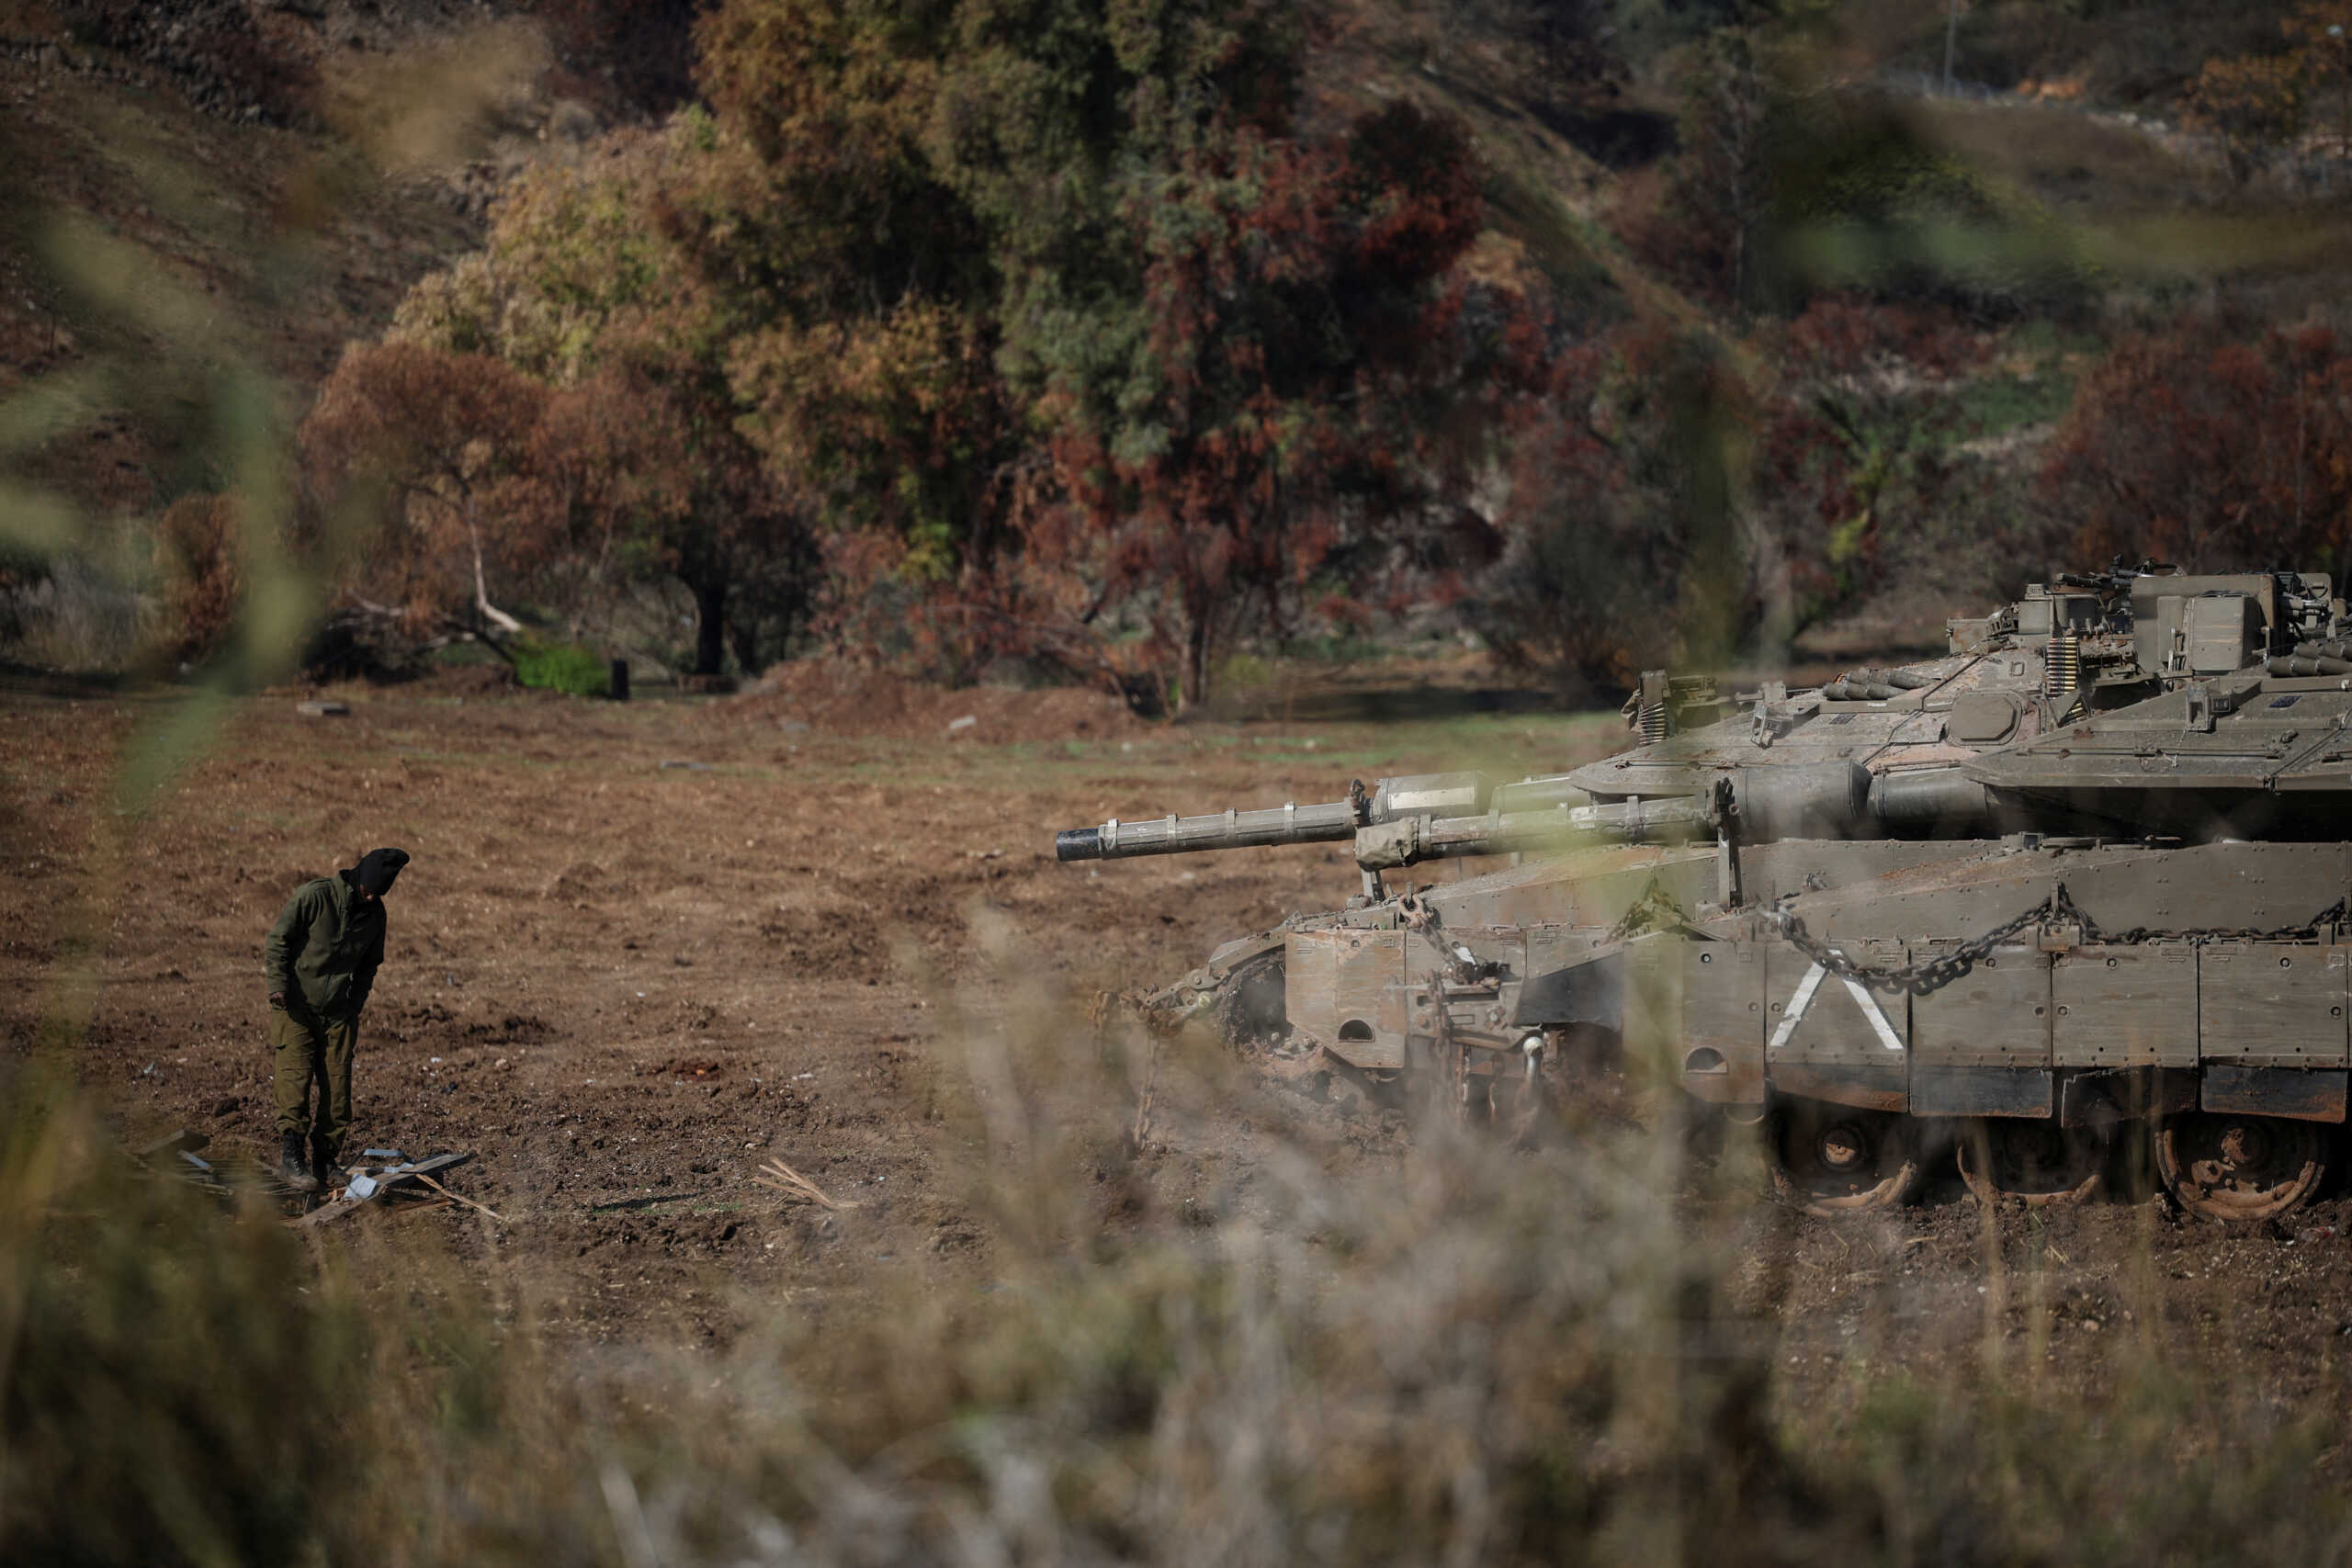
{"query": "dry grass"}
(79, 618)
(430, 108)
(1489, 1357)
(2066, 158)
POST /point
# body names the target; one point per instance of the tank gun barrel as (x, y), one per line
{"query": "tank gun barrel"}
(1325, 822)
(1759, 804)
(1388, 846)
(1431, 795)
(1448, 814)
(1439, 816)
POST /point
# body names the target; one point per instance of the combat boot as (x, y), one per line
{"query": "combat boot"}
(322, 1165)
(291, 1170)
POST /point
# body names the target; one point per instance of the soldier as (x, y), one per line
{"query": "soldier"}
(321, 958)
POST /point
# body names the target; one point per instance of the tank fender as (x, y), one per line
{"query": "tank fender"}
(1589, 989)
(2107, 1097)
(1231, 956)
(2301, 1094)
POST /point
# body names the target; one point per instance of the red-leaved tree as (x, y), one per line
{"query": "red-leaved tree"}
(201, 558)
(431, 453)
(2205, 450)
(1301, 377)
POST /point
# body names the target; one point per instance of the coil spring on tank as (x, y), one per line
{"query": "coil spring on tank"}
(1649, 719)
(2062, 665)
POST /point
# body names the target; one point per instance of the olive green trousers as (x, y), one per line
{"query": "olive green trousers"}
(307, 1048)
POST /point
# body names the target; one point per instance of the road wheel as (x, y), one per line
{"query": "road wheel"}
(1251, 1006)
(2033, 1160)
(2228, 1167)
(1836, 1159)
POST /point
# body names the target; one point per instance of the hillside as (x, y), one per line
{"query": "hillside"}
(194, 226)
(176, 228)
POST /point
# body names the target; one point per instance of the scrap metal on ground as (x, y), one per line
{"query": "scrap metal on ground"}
(386, 1183)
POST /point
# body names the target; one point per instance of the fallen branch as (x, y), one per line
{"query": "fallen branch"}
(460, 1198)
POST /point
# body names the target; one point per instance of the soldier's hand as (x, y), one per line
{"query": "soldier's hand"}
(277, 1000)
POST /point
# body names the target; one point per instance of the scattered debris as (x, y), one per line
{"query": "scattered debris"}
(180, 1142)
(174, 1158)
(966, 722)
(370, 1184)
(323, 707)
(683, 763)
(792, 1184)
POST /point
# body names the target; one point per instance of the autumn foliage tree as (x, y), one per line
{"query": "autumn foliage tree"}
(1580, 592)
(584, 290)
(200, 559)
(2257, 104)
(435, 450)
(862, 364)
(1667, 503)
(2254, 103)
(2199, 448)
(1274, 364)
(1054, 309)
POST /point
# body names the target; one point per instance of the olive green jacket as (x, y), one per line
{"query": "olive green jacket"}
(325, 951)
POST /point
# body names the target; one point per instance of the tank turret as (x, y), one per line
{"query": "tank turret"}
(1876, 752)
(2075, 647)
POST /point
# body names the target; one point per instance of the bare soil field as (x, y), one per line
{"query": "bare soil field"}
(644, 948)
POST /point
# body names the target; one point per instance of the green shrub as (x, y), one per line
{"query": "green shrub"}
(561, 667)
(1245, 673)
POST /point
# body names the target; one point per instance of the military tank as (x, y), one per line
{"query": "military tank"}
(2073, 890)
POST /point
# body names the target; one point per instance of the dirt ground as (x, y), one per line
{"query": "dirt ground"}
(643, 948)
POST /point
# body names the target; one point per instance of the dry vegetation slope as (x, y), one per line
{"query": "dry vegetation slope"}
(287, 239)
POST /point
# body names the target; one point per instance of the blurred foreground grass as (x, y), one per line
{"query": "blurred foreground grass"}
(1482, 1355)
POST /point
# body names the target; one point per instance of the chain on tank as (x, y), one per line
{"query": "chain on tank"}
(1931, 974)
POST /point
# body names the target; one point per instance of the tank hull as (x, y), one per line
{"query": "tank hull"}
(2084, 987)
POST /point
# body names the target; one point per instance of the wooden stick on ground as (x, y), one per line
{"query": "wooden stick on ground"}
(791, 1183)
(459, 1197)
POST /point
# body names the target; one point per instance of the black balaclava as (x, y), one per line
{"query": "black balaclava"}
(375, 870)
